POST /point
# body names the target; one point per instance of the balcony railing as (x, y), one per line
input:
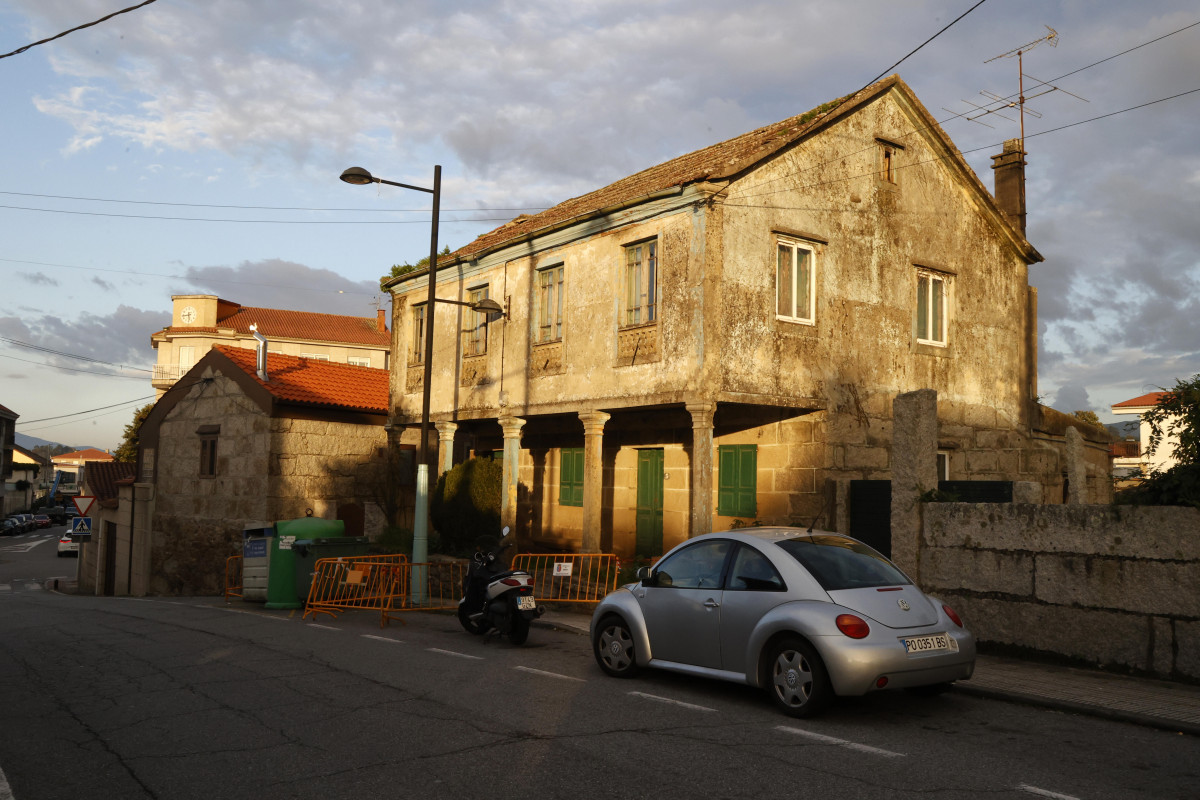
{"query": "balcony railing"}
(169, 372)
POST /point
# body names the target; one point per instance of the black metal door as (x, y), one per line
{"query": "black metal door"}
(871, 514)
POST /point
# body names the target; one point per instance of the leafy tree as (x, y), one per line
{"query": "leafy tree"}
(405, 268)
(1176, 413)
(1089, 417)
(128, 449)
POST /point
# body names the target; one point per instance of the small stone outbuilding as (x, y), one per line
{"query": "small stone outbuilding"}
(237, 443)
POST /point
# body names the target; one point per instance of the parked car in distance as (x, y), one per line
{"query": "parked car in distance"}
(42, 520)
(9, 527)
(67, 546)
(805, 615)
(25, 521)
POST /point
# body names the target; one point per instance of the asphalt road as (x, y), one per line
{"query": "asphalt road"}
(180, 698)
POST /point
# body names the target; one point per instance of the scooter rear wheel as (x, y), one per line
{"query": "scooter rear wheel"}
(520, 630)
(470, 625)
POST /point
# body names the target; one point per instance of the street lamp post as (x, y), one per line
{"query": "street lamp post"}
(420, 550)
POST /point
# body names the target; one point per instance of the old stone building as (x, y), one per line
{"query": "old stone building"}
(718, 339)
(237, 443)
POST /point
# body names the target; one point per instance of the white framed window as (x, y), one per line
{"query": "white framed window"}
(315, 356)
(187, 358)
(640, 284)
(418, 334)
(477, 324)
(795, 281)
(549, 304)
(931, 308)
(358, 361)
(943, 465)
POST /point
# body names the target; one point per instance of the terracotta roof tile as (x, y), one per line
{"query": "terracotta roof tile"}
(90, 454)
(309, 381)
(282, 324)
(715, 162)
(102, 478)
(8, 412)
(1145, 400)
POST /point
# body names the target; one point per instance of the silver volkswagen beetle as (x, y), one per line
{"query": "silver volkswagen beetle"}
(806, 615)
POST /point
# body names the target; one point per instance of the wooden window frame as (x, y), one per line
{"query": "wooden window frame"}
(570, 476)
(737, 480)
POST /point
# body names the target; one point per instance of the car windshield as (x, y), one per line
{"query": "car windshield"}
(840, 563)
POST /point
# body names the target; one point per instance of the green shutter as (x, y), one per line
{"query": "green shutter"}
(737, 480)
(570, 480)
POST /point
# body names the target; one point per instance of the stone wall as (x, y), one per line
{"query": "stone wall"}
(1116, 586)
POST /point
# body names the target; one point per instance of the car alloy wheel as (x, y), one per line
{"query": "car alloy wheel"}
(613, 646)
(796, 678)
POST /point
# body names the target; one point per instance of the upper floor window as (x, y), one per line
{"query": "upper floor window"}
(358, 361)
(549, 304)
(640, 284)
(888, 155)
(794, 281)
(418, 333)
(208, 449)
(315, 356)
(477, 324)
(931, 308)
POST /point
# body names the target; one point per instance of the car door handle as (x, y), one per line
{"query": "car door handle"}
(710, 603)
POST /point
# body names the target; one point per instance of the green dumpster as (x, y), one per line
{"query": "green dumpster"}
(307, 551)
(281, 581)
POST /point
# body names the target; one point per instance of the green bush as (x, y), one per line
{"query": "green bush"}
(394, 539)
(465, 505)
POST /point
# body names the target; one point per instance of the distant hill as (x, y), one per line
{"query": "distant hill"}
(30, 442)
(1122, 430)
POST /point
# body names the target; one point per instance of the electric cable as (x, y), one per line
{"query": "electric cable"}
(20, 50)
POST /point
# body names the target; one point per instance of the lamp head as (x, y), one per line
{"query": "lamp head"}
(358, 176)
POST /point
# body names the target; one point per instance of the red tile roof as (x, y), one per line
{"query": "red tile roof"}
(309, 381)
(8, 412)
(90, 454)
(1145, 400)
(307, 325)
(102, 478)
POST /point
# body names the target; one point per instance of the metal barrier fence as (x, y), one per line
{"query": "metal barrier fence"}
(233, 577)
(442, 582)
(570, 578)
(355, 582)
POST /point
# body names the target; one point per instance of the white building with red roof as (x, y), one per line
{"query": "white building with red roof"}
(199, 321)
(1163, 458)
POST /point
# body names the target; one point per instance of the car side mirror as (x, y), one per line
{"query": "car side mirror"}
(645, 575)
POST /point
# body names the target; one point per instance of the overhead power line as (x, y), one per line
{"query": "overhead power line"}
(258, 221)
(20, 50)
(74, 369)
(89, 411)
(64, 354)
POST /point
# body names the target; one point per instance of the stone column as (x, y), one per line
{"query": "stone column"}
(445, 446)
(512, 461)
(914, 471)
(593, 477)
(1076, 468)
(701, 520)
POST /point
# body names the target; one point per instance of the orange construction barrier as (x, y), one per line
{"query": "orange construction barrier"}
(233, 577)
(439, 585)
(570, 578)
(355, 582)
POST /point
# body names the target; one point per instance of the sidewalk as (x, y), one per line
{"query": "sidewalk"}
(1142, 701)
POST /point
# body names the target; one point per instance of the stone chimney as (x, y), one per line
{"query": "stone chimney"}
(1009, 177)
(381, 320)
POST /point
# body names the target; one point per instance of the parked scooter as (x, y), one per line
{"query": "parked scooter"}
(497, 599)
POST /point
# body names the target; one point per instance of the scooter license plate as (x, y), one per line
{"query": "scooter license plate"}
(526, 603)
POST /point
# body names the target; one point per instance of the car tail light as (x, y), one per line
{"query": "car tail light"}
(510, 581)
(881, 682)
(852, 626)
(953, 617)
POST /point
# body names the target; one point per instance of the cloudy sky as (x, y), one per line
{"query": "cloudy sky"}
(193, 146)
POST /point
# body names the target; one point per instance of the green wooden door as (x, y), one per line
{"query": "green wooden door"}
(650, 503)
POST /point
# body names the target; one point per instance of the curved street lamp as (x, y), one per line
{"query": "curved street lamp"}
(361, 177)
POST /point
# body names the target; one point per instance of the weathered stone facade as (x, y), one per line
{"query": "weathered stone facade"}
(812, 393)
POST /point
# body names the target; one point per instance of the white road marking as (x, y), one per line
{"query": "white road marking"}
(1024, 787)
(679, 703)
(23, 547)
(549, 674)
(453, 653)
(323, 627)
(382, 638)
(818, 737)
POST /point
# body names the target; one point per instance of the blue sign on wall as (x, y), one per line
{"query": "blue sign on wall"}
(254, 548)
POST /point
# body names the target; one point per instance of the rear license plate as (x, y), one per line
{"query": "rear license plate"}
(933, 643)
(526, 603)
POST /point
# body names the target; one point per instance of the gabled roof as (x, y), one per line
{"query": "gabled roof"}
(102, 477)
(312, 382)
(90, 454)
(1144, 401)
(723, 161)
(7, 412)
(275, 323)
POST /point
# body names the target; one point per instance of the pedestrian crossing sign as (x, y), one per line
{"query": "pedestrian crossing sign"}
(81, 527)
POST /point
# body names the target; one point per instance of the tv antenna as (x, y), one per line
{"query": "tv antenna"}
(996, 104)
